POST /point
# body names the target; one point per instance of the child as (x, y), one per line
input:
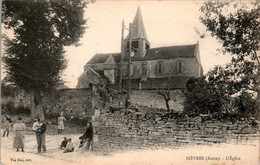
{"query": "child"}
(36, 125)
(61, 121)
(64, 143)
(69, 147)
(7, 125)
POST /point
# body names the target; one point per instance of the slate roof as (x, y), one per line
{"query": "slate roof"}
(101, 58)
(170, 52)
(151, 54)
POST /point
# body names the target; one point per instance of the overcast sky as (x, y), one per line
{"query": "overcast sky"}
(167, 23)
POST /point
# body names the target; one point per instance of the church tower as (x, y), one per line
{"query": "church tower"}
(140, 41)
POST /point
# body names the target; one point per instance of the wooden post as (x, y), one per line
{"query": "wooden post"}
(121, 59)
(129, 62)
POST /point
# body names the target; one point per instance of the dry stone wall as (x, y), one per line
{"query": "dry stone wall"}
(72, 102)
(129, 129)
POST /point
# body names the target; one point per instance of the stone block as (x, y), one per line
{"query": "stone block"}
(95, 138)
(155, 134)
(95, 124)
(161, 122)
(97, 112)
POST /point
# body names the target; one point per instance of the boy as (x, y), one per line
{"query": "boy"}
(64, 143)
(69, 147)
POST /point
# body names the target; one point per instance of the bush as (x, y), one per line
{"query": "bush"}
(10, 109)
(22, 110)
(201, 98)
(246, 105)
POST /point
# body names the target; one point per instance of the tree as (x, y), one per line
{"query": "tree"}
(246, 105)
(166, 95)
(236, 25)
(34, 56)
(165, 91)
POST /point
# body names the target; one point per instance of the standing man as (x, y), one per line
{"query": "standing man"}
(87, 137)
(40, 136)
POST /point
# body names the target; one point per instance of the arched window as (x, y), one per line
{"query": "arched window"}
(159, 68)
(179, 67)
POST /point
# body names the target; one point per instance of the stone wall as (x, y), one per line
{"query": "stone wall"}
(151, 98)
(131, 129)
(72, 102)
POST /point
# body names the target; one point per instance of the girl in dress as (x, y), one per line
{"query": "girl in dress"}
(61, 121)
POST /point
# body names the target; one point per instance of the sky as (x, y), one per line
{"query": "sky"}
(167, 23)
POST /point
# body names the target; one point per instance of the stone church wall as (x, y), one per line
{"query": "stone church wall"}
(151, 98)
(190, 67)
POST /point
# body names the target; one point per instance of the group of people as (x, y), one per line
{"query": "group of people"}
(86, 138)
(67, 145)
(39, 127)
(18, 129)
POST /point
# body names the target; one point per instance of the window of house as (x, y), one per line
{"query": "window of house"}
(179, 67)
(159, 68)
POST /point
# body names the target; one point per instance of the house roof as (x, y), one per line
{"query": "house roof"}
(171, 52)
(101, 58)
(168, 52)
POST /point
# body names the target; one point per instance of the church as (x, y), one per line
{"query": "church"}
(150, 68)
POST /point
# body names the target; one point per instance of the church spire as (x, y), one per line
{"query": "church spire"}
(139, 38)
(138, 26)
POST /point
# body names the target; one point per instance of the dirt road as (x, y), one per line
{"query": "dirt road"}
(218, 155)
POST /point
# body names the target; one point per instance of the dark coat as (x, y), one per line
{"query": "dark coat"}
(63, 144)
(42, 129)
(88, 134)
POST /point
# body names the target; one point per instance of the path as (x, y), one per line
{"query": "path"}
(55, 156)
